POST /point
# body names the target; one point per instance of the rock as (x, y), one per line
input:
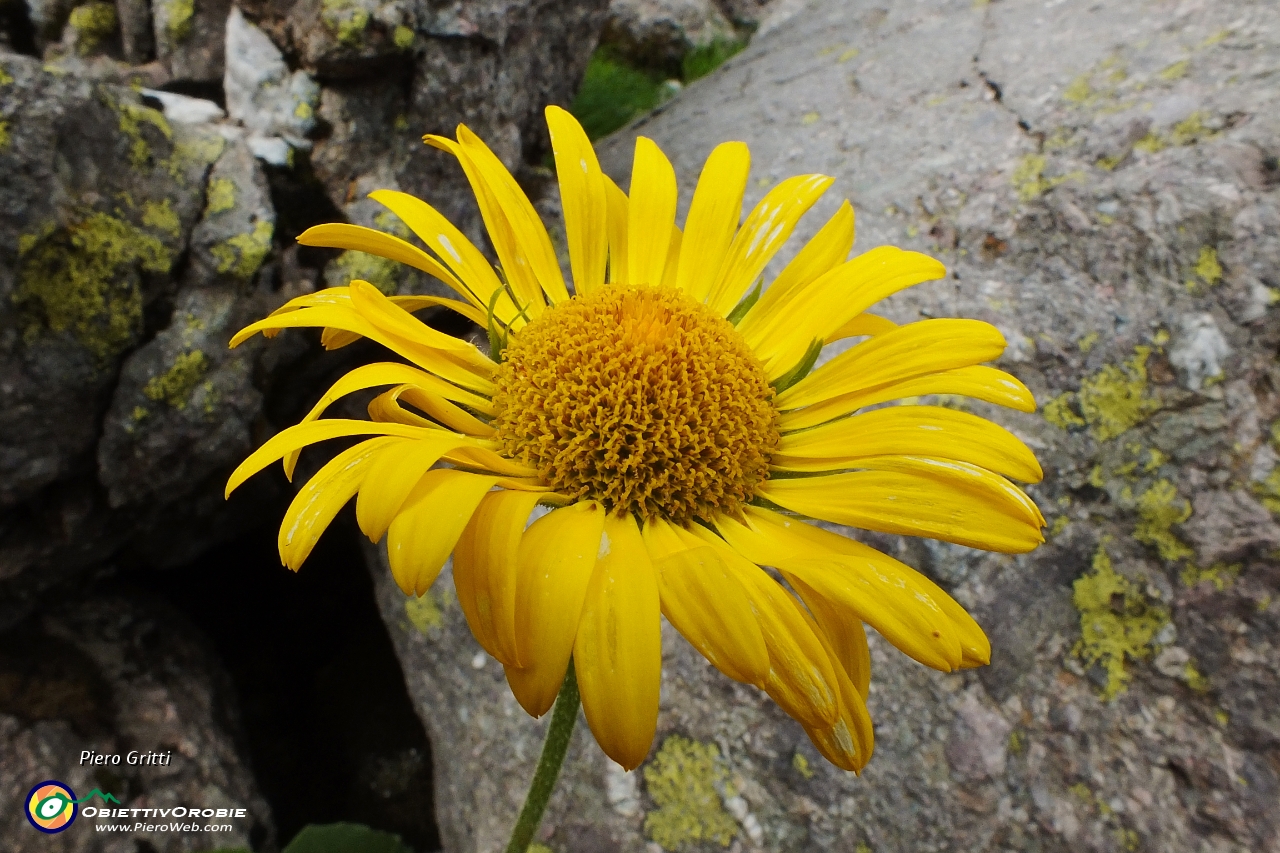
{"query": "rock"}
(1013, 140)
(186, 110)
(353, 38)
(190, 38)
(1199, 350)
(118, 677)
(658, 33)
(262, 93)
(102, 195)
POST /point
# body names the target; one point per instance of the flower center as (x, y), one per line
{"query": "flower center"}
(641, 398)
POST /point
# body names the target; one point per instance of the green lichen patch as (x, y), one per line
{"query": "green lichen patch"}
(243, 254)
(1196, 680)
(132, 120)
(685, 779)
(1207, 267)
(1176, 71)
(350, 265)
(93, 23)
(175, 386)
(1029, 180)
(1268, 490)
(423, 613)
(82, 279)
(1221, 575)
(161, 217)
(180, 15)
(1117, 622)
(1110, 402)
(346, 19)
(1159, 508)
(801, 765)
(200, 150)
(221, 196)
(5, 77)
(403, 37)
(5, 140)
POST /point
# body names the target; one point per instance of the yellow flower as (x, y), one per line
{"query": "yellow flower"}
(673, 423)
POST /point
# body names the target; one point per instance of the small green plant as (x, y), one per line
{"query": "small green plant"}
(701, 61)
(613, 93)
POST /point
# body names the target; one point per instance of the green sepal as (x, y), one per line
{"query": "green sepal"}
(801, 370)
(741, 309)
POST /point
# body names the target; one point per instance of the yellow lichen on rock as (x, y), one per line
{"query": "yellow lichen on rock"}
(423, 613)
(685, 780)
(243, 254)
(221, 196)
(174, 386)
(76, 279)
(1117, 622)
(1159, 508)
(161, 217)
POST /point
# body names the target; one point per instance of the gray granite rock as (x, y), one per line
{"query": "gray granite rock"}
(1101, 182)
(113, 677)
(658, 33)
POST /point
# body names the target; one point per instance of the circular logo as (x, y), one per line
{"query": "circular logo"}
(51, 806)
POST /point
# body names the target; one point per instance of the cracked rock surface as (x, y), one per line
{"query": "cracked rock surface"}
(1102, 182)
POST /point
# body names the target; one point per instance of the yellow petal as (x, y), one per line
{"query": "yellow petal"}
(556, 560)
(706, 604)
(386, 373)
(319, 500)
(849, 741)
(767, 227)
(427, 527)
(458, 253)
(713, 218)
(338, 235)
(502, 234)
(868, 325)
(801, 677)
(375, 307)
(867, 585)
(618, 228)
(978, 381)
(484, 570)
(618, 650)
(846, 637)
(469, 369)
(300, 435)
(828, 248)
(819, 310)
(652, 212)
(912, 350)
(393, 476)
(933, 431)
(387, 407)
(532, 241)
(915, 496)
(797, 536)
(411, 302)
(582, 198)
(673, 258)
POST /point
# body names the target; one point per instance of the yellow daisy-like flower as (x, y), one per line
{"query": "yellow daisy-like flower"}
(670, 416)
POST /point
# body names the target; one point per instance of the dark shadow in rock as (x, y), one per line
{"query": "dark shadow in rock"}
(330, 729)
(300, 201)
(16, 27)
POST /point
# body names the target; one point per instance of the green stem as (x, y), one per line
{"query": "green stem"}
(563, 716)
